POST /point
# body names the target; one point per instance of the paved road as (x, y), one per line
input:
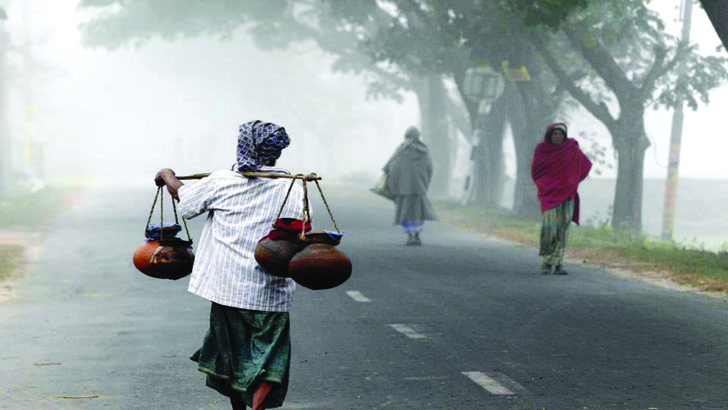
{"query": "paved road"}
(461, 323)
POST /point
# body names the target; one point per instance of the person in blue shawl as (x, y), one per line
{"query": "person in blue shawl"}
(408, 174)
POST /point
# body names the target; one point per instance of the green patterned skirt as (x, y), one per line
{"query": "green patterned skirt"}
(555, 232)
(245, 347)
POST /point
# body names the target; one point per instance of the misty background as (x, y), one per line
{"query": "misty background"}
(116, 117)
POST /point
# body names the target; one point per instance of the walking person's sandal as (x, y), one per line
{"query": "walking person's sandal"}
(560, 270)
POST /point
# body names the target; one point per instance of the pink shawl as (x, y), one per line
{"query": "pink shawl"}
(557, 171)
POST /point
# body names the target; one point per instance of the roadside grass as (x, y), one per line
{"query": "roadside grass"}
(25, 209)
(11, 256)
(31, 211)
(600, 245)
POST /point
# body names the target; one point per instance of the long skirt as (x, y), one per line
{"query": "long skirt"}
(245, 347)
(555, 232)
(413, 208)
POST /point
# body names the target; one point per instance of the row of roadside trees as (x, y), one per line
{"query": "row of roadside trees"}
(611, 57)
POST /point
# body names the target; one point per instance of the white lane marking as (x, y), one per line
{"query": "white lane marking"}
(488, 383)
(358, 296)
(407, 331)
(426, 378)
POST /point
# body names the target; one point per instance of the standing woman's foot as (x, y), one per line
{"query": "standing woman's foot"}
(545, 269)
(417, 241)
(560, 270)
(410, 239)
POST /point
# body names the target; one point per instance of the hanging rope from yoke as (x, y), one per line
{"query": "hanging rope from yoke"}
(288, 194)
(306, 203)
(151, 212)
(160, 196)
(327, 206)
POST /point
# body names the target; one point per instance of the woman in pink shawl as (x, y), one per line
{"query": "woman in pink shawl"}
(558, 167)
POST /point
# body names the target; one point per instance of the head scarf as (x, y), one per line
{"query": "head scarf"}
(411, 141)
(260, 143)
(557, 170)
(553, 127)
(411, 133)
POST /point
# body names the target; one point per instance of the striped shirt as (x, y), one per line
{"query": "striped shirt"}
(240, 212)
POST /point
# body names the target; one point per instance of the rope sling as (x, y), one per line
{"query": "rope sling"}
(306, 209)
(160, 196)
(312, 261)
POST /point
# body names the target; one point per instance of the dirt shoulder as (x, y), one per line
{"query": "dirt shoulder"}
(23, 249)
(26, 212)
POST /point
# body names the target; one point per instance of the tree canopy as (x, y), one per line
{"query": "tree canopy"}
(612, 56)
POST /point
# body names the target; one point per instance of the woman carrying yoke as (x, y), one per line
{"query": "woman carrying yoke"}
(246, 351)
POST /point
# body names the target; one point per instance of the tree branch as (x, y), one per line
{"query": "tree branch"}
(655, 72)
(603, 63)
(339, 48)
(598, 110)
(664, 69)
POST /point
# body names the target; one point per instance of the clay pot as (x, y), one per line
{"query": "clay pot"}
(320, 265)
(274, 255)
(275, 250)
(143, 257)
(168, 259)
(173, 259)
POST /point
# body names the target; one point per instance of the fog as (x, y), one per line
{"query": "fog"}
(116, 117)
(123, 115)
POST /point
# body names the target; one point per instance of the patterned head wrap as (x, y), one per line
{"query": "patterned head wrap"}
(260, 143)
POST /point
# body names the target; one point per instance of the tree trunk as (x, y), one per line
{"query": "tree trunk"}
(431, 96)
(630, 143)
(526, 135)
(717, 11)
(525, 195)
(5, 142)
(488, 156)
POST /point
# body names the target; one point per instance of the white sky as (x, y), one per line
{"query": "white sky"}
(135, 111)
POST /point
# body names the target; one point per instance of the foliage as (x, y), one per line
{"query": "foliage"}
(639, 32)
(604, 52)
(645, 54)
(595, 151)
(10, 259)
(335, 26)
(419, 39)
(137, 21)
(546, 13)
